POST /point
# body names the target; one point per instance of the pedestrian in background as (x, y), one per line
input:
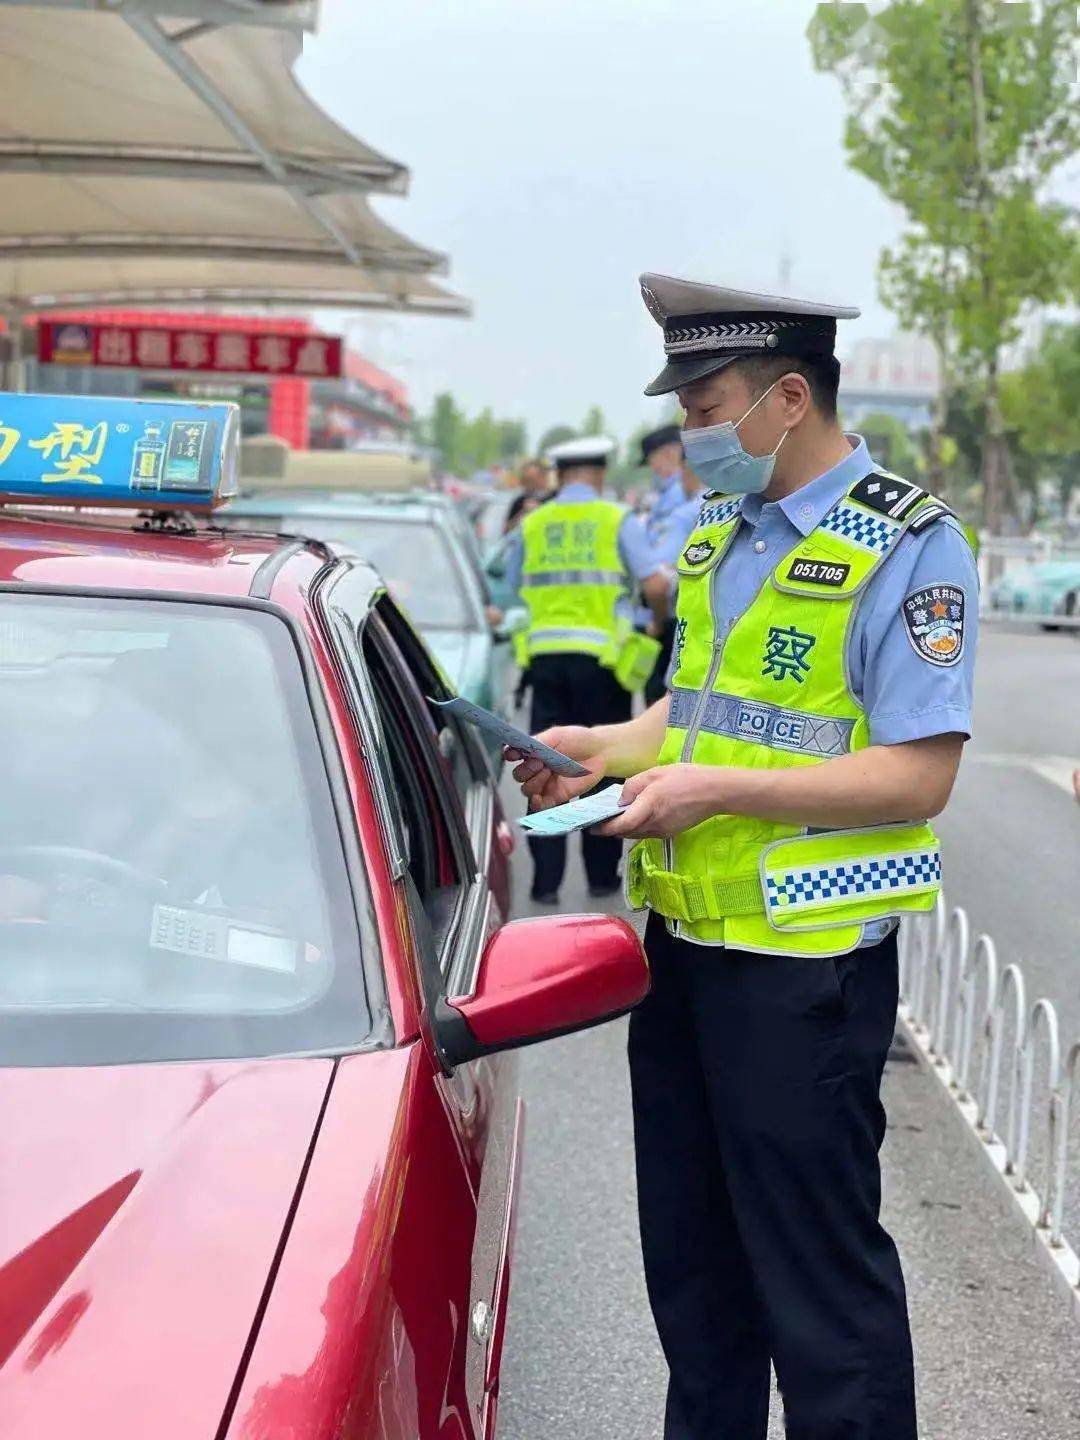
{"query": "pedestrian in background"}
(536, 487)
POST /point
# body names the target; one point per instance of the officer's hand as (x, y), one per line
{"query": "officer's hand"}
(665, 801)
(541, 786)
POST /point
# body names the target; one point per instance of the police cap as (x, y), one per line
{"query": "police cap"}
(707, 327)
(584, 450)
(666, 435)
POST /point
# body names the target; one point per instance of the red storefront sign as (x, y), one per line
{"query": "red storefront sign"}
(232, 352)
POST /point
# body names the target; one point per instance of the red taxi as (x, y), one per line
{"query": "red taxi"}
(261, 1136)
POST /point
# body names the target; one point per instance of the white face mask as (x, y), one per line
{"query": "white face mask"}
(716, 456)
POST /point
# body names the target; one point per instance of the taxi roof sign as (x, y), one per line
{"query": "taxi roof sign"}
(141, 454)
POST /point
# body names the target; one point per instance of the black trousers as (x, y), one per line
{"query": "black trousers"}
(575, 690)
(655, 687)
(757, 1122)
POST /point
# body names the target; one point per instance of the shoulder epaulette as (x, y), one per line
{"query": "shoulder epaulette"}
(887, 494)
(928, 516)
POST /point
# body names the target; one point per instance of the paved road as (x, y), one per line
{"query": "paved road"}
(995, 1350)
(1012, 829)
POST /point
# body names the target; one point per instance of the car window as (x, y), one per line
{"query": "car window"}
(417, 561)
(458, 744)
(440, 857)
(431, 779)
(172, 880)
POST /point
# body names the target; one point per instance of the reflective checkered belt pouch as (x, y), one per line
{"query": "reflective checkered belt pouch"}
(572, 578)
(805, 882)
(772, 693)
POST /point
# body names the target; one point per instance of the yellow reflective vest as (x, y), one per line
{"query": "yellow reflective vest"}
(572, 577)
(772, 693)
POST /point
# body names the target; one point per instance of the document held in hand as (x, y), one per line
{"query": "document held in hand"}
(579, 814)
(510, 735)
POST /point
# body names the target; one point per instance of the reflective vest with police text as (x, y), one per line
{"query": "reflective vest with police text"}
(771, 692)
(572, 577)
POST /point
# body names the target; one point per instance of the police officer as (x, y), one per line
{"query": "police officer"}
(574, 560)
(821, 695)
(670, 520)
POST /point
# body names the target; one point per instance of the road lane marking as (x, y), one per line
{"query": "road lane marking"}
(1057, 769)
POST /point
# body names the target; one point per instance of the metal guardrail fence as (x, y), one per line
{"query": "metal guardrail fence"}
(953, 994)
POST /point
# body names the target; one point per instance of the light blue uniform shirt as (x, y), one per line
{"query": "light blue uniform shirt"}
(635, 551)
(905, 696)
(667, 528)
(668, 500)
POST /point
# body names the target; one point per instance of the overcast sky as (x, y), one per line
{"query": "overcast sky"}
(560, 147)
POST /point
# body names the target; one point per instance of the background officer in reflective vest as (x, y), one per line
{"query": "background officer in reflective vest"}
(821, 696)
(574, 562)
(667, 527)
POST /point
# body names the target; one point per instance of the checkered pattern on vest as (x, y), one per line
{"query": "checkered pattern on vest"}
(872, 532)
(853, 878)
(717, 512)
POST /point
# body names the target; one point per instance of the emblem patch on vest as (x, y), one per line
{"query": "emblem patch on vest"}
(785, 653)
(887, 495)
(818, 572)
(934, 621)
(699, 552)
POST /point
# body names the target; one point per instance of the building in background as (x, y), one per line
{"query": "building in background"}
(288, 379)
(897, 377)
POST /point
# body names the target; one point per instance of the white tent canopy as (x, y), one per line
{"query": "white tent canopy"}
(119, 215)
(162, 151)
(44, 284)
(84, 92)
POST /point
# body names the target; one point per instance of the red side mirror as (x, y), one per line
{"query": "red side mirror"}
(542, 978)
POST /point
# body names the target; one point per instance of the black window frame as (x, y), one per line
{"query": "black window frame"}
(370, 615)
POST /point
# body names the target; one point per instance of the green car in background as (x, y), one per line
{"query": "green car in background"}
(422, 546)
(1043, 590)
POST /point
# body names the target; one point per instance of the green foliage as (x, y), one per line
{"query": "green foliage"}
(983, 242)
(465, 445)
(961, 112)
(891, 444)
(555, 435)
(594, 422)
(1039, 404)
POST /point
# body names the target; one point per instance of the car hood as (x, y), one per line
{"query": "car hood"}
(463, 655)
(141, 1211)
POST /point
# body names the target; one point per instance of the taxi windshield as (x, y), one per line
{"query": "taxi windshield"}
(172, 883)
(415, 559)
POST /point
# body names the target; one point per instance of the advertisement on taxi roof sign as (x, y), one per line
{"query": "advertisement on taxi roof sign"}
(65, 449)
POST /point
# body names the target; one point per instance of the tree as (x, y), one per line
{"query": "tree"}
(466, 445)
(891, 443)
(555, 435)
(1039, 404)
(594, 422)
(444, 429)
(513, 440)
(961, 111)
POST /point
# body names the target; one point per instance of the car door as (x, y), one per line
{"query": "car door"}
(442, 806)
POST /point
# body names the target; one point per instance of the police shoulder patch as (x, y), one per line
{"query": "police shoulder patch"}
(887, 495)
(934, 620)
